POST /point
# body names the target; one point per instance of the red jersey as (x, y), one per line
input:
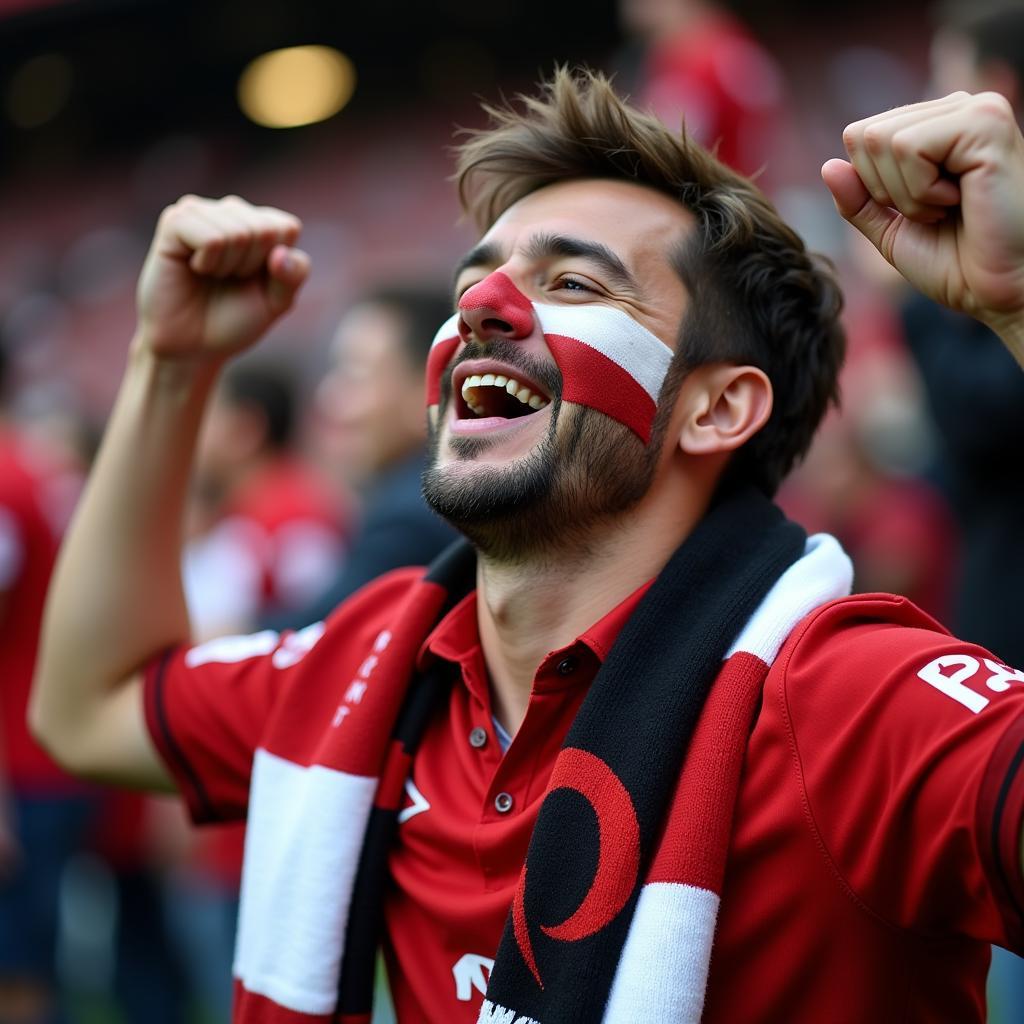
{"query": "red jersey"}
(875, 852)
(723, 83)
(28, 548)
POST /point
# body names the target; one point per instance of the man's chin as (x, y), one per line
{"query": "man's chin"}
(467, 491)
(551, 499)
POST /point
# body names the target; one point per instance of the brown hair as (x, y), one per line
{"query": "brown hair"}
(758, 296)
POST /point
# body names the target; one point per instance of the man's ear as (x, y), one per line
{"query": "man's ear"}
(723, 406)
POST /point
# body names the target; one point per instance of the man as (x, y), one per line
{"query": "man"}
(544, 767)
(370, 401)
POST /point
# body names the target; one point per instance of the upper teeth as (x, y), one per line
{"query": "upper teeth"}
(498, 380)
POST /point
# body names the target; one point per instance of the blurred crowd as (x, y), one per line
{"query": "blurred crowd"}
(307, 479)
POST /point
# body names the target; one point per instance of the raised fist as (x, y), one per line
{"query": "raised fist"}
(938, 188)
(218, 273)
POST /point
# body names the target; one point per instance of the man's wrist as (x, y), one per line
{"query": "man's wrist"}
(179, 375)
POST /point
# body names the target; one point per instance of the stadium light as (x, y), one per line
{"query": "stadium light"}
(296, 86)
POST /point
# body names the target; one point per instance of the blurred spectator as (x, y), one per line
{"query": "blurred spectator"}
(897, 529)
(266, 532)
(976, 394)
(44, 815)
(978, 45)
(372, 402)
(693, 60)
(149, 984)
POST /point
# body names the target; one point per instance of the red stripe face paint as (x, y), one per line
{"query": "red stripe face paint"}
(608, 361)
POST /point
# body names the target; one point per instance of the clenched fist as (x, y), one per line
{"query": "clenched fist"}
(218, 274)
(938, 188)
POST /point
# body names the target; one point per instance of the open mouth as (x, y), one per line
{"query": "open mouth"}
(486, 395)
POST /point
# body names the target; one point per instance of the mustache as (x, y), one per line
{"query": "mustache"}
(543, 372)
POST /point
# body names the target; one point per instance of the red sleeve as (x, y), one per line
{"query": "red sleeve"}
(909, 746)
(208, 708)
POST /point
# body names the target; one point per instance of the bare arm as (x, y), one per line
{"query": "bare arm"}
(217, 275)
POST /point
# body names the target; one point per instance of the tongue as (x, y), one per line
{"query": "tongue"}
(498, 402)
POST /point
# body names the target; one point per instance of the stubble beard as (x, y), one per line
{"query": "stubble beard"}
(550, 504)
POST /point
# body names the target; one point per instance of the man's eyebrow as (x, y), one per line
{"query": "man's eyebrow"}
(489, 254)
(563, 245)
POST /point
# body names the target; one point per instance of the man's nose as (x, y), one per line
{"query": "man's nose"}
(495, 307)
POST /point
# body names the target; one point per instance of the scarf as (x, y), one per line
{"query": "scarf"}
(642, 791)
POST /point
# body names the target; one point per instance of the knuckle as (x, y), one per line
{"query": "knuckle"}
(189, 202)
(236, 204)
(994, 107)
(170, 212)
(282, 219)
(900, 145)
(874, 140)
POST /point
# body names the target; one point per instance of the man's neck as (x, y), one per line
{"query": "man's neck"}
(526, 611)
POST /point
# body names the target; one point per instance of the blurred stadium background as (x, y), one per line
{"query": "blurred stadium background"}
(110, 109)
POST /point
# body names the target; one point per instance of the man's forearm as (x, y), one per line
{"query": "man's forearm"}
(116, 597)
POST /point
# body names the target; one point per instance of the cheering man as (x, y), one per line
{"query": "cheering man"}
(631, 753)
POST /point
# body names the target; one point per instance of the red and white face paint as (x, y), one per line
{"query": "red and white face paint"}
(608, 361)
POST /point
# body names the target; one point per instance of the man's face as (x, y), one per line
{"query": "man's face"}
(535, 470)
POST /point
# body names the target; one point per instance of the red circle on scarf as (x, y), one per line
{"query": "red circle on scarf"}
(618, 859)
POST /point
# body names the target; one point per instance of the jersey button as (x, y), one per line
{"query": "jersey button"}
(567, 666)
(478, 737)
(503, 803)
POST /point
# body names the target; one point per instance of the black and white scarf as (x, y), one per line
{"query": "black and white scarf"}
(642, 792)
